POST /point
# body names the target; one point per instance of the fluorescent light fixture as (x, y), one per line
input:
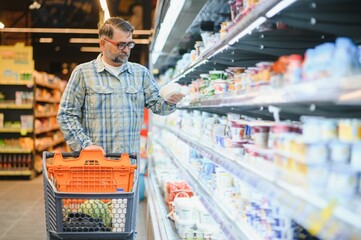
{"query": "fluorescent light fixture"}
(34, 5)
(2, 25)
(90, 49)
(51, 30)
(166, 26)
(279, 7)
(46, 40)
(104, 6)
(96, 40)
(248, 29)
(141, 41)
(84, 40)
(65, 30)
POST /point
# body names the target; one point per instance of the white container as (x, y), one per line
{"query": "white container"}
(311, 128)
(340, 152)
(317, 177)
(169, 90)
(342, 182)
(356, 156)
(183, 208)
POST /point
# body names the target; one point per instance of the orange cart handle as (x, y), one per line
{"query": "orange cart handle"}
(89, 155)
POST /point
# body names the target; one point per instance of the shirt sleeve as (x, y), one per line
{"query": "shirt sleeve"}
(153, 100)
(70, 112)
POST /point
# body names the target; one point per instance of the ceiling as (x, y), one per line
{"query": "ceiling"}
(69, 14)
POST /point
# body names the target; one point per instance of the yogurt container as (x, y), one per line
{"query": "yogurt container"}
(340, 152)
(169, 89)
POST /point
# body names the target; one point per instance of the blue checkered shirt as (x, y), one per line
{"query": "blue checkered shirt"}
(106, 110)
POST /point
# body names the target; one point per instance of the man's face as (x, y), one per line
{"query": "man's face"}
(114, 54)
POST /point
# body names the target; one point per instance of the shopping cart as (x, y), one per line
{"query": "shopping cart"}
(82, 198)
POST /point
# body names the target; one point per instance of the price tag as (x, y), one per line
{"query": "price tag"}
(23, 132)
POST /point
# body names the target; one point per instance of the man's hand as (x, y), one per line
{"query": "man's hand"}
(174, 99)
(94, 147)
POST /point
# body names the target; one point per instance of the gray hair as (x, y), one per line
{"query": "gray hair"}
(107, 28)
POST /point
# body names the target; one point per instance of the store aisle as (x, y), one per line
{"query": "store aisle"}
(22, 211)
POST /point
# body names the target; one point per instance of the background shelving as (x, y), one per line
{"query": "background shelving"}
(48, 90)
(232, 228)
(16, 128)
(296, 200)
(272, 29)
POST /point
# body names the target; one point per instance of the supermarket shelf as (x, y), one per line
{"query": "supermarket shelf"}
(162, 227)
(16, 173)
(240, 26)
(47, 85)
(320, 21)
(49, 129)
(324, 16)
(49, 100)
(14, 150)
(16, 130)
(52, 144)
(13, 105)
(297, 99)
(44, 115)
(233, 229)
(321, 217)
(12, 82)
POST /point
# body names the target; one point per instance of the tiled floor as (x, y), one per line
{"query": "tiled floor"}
(22, 214)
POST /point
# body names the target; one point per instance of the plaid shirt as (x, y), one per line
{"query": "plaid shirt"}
(102, 109)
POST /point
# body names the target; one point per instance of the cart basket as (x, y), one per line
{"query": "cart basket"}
(91, 215)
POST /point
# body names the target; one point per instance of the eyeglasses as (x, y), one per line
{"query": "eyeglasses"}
(121, 45)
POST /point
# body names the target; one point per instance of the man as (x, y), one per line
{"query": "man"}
(103, 104)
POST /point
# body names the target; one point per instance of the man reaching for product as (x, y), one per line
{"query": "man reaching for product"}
(103, 103)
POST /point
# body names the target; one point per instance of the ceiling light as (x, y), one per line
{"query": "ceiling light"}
(96, 40)
(1, 25)
(141, 41)
(104, 6)
(34, 5)
(46, 40)
(90, 49)
(84, 40)
(66, 30)
(166, 26)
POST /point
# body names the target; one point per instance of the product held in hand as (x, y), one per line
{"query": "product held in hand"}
(169, 90)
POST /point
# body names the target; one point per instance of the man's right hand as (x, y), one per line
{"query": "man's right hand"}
(94, 147)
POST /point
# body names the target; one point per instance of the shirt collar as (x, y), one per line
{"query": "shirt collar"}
(100, 66)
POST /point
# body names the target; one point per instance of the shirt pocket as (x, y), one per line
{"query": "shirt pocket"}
(135, 96)
(99, 97)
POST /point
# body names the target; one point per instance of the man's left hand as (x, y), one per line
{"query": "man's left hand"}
(174, 99)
